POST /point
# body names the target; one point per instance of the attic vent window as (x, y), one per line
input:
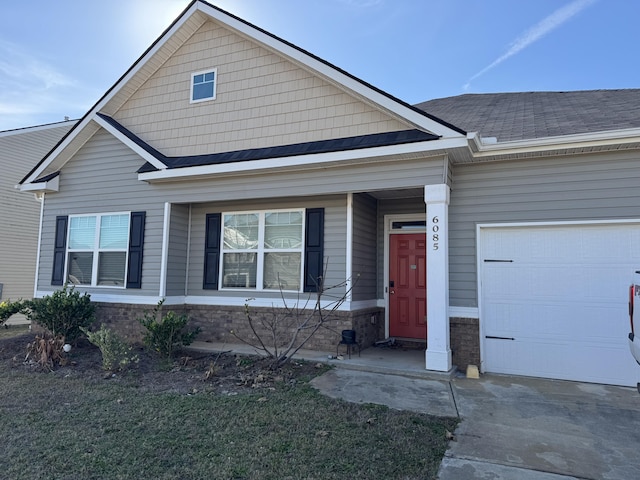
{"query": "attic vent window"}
(203, 86)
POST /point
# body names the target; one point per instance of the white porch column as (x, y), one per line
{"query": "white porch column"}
(438, 354)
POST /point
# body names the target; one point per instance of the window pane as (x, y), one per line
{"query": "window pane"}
(241, 232)
(111, 268)
(239, 270)
(198, 78)
(283, 230)
(82, 233)
(80, 268)
(208, 77)
(202, 90)
(114, 231)
(282, 271)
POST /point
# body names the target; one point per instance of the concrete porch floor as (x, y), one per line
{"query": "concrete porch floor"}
(395, 360)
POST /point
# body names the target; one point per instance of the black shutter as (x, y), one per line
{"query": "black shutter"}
(59, 250)
(212, 251)
(314, 249)
(136, 244)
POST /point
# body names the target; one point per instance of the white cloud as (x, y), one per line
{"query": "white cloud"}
(535, 33)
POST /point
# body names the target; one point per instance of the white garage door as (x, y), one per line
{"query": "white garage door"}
(554, 301)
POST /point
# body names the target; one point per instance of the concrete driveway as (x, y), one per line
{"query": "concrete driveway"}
(514, 427)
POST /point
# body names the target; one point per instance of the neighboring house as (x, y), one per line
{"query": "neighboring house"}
(226, 162)
(20, 150)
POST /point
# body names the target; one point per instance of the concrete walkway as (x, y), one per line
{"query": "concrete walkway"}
(511, 427)
(514, 427)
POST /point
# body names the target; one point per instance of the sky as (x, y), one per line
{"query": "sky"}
(58, 57)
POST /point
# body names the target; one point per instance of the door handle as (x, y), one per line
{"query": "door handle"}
(392, 292)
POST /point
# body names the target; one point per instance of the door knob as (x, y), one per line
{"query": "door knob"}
(392, 291)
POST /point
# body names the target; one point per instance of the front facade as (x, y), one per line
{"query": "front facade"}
(227, 164)
(20, 150)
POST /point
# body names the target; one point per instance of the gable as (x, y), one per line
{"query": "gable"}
(271, 93)
(262, 100)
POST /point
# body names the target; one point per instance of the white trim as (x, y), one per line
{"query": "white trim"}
(96, 250)
(261, 251)
(559, 223)
(110, 297)
(480, 263)
(35, 283)
(166, 225)
(215, 85)
(580, 140)
(52, 185)
(129, 143)
(313, 159)
(187, 266)
(388, 221)
(463, 312)
(349, 248)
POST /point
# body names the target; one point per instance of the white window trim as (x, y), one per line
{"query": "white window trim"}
(215, 85)
(96, 250)
(260, 251)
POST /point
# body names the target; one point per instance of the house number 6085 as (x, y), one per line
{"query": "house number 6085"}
(435, 228)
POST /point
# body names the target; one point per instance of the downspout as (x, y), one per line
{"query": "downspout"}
(165, 250)
(349, 251)
(40, 198)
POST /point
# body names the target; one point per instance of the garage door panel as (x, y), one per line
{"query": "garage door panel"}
(561, 294)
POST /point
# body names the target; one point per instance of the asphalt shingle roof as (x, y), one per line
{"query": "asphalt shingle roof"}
(528, 115)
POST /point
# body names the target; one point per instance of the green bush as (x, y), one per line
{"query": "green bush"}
(9, 308)
(165, 333)
(62, 313)
(116, 354)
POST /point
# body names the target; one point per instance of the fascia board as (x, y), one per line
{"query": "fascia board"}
(52, 185)
(582, 140)
(129, 143)
(330, 72)
(302, 160)
(58, 150)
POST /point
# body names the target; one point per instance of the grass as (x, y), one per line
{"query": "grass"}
(72, 428)
(7, 331)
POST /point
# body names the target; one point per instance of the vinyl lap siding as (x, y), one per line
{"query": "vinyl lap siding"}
(334, 239)
(20, 212)
(590, 187)
(101, 178)
(178, 250)
(364, 247)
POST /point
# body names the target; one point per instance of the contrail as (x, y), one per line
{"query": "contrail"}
(536, 32)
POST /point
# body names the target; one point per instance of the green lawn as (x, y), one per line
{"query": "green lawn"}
(64, 427)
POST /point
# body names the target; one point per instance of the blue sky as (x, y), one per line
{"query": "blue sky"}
(57, 57)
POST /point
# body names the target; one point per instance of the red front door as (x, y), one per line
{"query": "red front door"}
(408, 286)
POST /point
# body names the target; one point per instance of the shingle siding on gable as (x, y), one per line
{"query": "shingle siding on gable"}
(262, 100)
(20, 212)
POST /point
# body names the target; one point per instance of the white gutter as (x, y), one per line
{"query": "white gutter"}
(481, 149)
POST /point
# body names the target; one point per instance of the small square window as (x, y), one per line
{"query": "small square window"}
(203, 86)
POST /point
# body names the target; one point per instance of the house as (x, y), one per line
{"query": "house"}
(21, 149)
(228, 164)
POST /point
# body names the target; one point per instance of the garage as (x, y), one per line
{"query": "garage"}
(553, 300)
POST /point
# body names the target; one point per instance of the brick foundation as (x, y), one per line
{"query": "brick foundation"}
(465, 342)
(217, 322)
